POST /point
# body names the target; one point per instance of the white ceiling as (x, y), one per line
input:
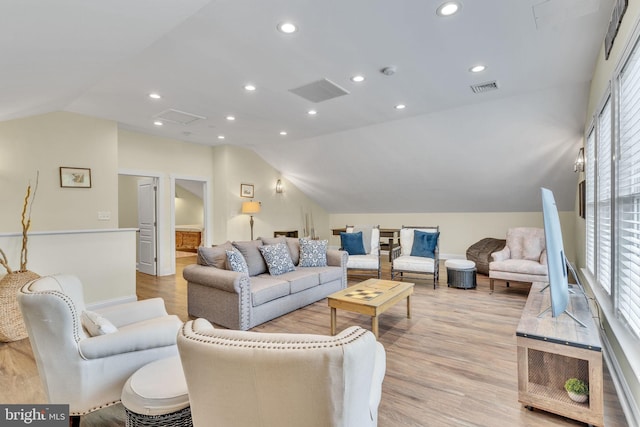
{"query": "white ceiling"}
(450, 150)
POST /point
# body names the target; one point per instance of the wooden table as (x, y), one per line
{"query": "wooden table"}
(371, 297)
(391, 233)
(553, 349)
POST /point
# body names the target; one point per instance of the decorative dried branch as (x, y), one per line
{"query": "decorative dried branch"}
(26, 222)
(4, 262)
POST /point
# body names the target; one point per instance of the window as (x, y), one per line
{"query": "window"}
(628, 195)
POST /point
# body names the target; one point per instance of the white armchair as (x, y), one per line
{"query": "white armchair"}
(88, 372)
(523, 259)
(368, 261)
(240, 378)
(417, 256)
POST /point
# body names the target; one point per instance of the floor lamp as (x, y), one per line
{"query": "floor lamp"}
(251, 208)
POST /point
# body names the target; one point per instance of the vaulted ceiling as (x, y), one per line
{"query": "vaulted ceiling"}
(449, 150)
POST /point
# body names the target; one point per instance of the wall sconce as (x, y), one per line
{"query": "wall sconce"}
(578, 165)
(251, 208)
(279, 186)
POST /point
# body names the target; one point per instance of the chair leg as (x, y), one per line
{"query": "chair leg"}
(74, 421)
(491, 285)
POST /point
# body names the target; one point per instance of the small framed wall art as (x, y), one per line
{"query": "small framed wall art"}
(75, 177)
(246, 190)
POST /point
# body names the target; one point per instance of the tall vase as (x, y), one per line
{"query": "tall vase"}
(12, 326)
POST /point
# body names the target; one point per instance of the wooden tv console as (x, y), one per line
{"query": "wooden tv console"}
(554, 349)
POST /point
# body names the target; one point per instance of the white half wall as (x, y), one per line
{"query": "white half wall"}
(104, 260)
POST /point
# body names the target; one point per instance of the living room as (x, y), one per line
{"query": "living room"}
(512, 137)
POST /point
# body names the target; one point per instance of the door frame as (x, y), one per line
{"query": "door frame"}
(206, 205)
(160, 217)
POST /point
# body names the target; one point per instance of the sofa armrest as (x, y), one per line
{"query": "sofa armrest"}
(149, 334)
(132, 312)
(225, 280)
(502, 255)
(543, 257)
(337, 258)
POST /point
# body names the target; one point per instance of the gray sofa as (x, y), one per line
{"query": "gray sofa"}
(242, 301)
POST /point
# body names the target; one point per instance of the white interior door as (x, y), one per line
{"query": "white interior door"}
(147, 224)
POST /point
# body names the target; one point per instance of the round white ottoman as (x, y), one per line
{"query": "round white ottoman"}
(156, 395)
(461, 273)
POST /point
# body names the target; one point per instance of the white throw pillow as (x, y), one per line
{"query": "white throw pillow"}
(96, 324)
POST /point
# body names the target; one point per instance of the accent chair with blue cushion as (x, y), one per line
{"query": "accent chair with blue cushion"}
(362, 243)
(418, 252)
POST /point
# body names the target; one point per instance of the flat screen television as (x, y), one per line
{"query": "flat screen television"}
(556, 261)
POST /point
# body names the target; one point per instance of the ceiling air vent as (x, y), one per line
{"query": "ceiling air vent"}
(321, 90)
(484, 87)
(176, 116)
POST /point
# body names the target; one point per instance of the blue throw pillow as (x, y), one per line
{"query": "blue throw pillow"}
(236, 261)
(277, 258)
(352, 243)
(424, 244)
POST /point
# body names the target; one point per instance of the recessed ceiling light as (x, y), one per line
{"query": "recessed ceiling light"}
(400, 107)
(154, 96)
(220, 136)
(477, 68)
(287, 27)
(231, 118)
(357, 79)
(312, 112)
(158, 123)
(249, 87)
(449, 8)
(283, 132)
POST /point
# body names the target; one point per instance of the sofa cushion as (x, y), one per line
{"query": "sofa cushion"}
(366, 262)
(313, 253)
(522, 266)
(277, 258)
(252, 256)
(236, 261)
(424, 244)
(326, 274)
(215, 256)
(414, 263)
(300, 279)
(352, 243)
(265, 288)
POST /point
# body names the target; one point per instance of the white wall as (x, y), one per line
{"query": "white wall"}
(44, 143)
(282, 211)
(189, 207)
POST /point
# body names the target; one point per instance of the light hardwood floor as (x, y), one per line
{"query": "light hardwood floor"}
(452, 364)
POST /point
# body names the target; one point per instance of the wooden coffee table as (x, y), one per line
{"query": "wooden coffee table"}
(371, 297)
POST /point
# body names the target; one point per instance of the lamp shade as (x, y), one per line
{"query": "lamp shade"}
(250, 207)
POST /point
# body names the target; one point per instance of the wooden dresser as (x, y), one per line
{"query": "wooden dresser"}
(188, 239)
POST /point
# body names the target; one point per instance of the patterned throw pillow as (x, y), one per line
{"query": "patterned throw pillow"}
(237, 262)
(313, 253)
(277, 258)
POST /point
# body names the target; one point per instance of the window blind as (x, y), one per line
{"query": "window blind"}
(603, 186)
(628, 195)
(590, 216)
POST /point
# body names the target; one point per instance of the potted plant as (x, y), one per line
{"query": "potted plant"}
(12, 327)
(578, 390)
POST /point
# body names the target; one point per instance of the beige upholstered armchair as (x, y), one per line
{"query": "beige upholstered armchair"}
(241, 378)
(367, 258)
(85, 357)
(417, 255)
(523, 259)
